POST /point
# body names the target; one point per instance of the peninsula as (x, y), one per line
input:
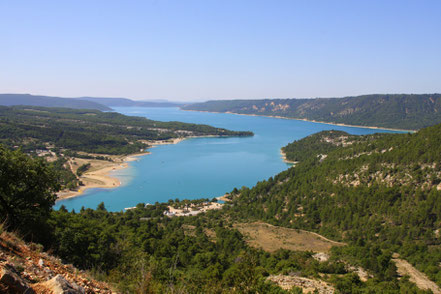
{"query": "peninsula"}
(85, 145)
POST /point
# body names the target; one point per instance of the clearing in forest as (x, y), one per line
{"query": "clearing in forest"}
(421, 280)
(271, 238)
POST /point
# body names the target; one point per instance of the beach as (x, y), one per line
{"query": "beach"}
(98, 176)
(99, 173)
(286, 160)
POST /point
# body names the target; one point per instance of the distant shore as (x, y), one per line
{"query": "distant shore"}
(99, 175)
(309, 120)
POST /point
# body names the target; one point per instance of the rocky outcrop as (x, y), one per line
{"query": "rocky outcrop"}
(59, 285)
(24, 268)
(12, 283)
(287, 282)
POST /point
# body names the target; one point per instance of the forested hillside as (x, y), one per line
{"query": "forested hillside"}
(379, 195)
(143, 251)
(91, 131)
(401, 111)
(378, 191)
(316, 144)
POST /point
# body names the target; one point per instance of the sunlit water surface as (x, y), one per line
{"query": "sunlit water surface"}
(202, 167)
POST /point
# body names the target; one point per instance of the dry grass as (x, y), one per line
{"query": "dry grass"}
(211, 234)
(420, 279)
(190, 230)
(271, 238)
(307, 285)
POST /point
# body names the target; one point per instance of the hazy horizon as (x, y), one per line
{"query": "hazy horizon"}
(204, 100)
(191, 51)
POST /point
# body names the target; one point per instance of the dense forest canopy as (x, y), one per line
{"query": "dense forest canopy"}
(91, 131)
(27, 191)
(316, 144)
(401, 111)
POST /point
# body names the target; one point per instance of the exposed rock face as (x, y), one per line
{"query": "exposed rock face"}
(24, 268)
(59, 285)
(321, 256)
(13, 283)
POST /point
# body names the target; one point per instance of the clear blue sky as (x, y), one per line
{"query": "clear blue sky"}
(198, 50)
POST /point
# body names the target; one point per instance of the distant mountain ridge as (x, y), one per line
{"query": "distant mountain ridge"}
(401, 111)
(103, 104)
(128, 102)
(49, 101)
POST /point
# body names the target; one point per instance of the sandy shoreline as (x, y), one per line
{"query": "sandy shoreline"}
(313, 121)
(283, 154)
(224, 197)
(99, 174)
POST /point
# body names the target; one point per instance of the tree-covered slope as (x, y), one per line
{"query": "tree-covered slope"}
(376, 190)
(91, 131)
(47, 101)
(318, 144)
(143, 251)
(402, 111)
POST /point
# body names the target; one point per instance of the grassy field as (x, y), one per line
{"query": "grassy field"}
(271, 238)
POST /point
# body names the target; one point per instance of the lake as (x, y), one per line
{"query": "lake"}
(202, 167)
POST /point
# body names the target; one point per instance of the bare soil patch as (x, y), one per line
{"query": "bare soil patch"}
(417, 277)
(271, 238)
(307, 285)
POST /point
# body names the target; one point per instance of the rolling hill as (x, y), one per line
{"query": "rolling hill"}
(400, 111)
(91, 130)
(376, 191)
(48, 101)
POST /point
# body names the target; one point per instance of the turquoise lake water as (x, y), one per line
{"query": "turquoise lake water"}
(202, 167)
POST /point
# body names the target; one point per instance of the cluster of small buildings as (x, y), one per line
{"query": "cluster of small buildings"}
(193, 209)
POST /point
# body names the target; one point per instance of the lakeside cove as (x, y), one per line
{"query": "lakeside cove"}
(100, 173)
(201, 167)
